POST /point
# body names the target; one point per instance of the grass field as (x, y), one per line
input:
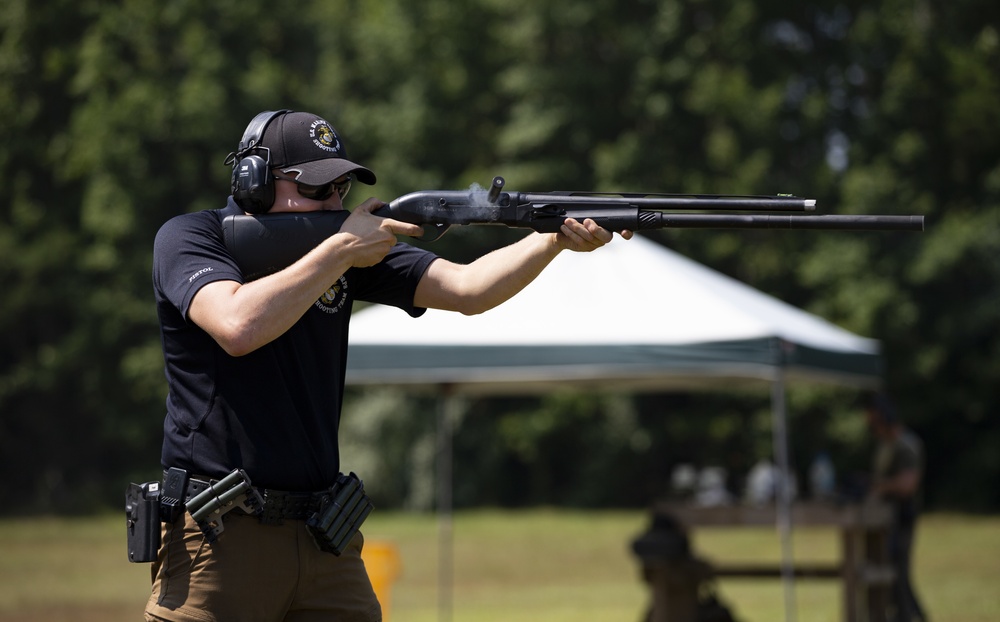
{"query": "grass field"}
(546, 565)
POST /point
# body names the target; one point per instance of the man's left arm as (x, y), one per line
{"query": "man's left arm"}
(498, 276)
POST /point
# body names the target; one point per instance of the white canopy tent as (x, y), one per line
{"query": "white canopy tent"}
(631, 316)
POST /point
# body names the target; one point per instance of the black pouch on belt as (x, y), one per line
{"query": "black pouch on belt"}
(232, 492)
(339, 517)
(142, 517)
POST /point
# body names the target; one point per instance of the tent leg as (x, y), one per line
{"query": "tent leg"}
(447, 413)
(784, 492)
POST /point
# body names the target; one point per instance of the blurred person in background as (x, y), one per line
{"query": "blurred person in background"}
(897, 471)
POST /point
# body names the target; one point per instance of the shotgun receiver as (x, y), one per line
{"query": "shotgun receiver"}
(267, 243)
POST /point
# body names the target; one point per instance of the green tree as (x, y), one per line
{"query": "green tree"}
(118, 116)
(926, 136)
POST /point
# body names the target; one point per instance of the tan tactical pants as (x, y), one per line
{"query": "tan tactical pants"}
(254, 572)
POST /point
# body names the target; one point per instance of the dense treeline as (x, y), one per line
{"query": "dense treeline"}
(117, 116)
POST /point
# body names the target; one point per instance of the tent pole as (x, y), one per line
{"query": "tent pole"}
(447, 408)
(784, 491)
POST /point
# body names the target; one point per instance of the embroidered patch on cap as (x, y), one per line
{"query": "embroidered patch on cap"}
(323, 136)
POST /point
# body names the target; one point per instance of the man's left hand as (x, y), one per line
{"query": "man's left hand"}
(586, 236)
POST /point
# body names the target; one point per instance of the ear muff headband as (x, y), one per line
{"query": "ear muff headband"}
(252, 184)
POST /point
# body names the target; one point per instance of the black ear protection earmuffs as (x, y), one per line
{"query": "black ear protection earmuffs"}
(253, 184)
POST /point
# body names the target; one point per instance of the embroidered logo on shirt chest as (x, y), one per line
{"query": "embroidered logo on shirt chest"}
(333, 299)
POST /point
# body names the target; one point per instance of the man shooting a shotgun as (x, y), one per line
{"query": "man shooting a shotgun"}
(255, 372)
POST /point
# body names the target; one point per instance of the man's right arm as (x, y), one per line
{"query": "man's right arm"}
(244, 317)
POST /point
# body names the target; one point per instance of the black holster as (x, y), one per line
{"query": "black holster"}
(142, 516)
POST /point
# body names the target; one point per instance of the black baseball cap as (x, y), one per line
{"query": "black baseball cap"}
(306, 144)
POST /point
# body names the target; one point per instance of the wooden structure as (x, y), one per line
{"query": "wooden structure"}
(864, 569)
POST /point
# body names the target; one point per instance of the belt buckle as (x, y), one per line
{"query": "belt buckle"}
(274, 507)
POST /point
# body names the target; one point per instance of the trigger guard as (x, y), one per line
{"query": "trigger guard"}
(433, 231)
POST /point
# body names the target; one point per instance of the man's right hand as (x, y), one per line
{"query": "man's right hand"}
(369, 238)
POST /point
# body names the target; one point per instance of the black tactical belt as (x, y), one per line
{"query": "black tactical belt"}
(333, 516)
(279, 505)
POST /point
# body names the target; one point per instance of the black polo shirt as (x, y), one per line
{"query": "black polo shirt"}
(274, 412)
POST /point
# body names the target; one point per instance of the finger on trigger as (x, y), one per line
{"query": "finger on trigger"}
(403, 228)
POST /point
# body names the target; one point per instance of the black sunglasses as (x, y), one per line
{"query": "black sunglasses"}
(320, 193)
